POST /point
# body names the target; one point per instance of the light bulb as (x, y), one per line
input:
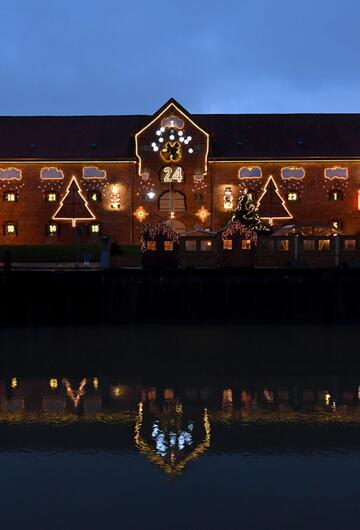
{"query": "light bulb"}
(180, 133)
(181, 139)
(191, 150)
(161, 140)
(151, 194)
(158, 133)
(172, 137)
(162, 129)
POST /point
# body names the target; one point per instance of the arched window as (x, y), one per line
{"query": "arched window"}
(173, 201)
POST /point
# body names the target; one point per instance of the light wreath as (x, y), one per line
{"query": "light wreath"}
(150, 232)
(73, 219)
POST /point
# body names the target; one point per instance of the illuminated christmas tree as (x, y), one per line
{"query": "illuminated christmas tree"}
(247, 214)
(271, 205)
(73, 206)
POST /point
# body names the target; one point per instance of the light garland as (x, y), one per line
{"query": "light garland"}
(235, 228)
(150, 232)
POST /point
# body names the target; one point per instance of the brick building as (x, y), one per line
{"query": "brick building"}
(108, 174)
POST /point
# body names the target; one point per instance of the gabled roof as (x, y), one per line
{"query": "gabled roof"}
(232, 136)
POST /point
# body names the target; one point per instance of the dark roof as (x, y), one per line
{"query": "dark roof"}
(233, 136)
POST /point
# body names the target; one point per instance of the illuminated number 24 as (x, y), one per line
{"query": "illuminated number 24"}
(170, 175)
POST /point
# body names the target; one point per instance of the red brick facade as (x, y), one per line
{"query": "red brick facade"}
(121, 186)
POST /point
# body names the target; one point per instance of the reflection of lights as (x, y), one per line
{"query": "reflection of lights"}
(173, 467)
(327, 398)
(75, 397)
(53, 383)
(14, 382)
(268, 395)
(168, 393)
(96, 383)
(118, 391)
(227, 396)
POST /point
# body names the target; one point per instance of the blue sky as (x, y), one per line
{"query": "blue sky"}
(127, 57)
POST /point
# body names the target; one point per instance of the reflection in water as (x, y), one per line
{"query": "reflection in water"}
(169, 450)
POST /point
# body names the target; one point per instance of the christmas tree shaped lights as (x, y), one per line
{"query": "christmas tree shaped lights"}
(271, 205)
(73, 206)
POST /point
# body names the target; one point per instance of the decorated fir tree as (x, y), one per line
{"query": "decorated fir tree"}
(247, 214)
(73, 207)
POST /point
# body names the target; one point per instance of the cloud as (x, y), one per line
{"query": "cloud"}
(336, 173)
(250, 173)
(93, 172)
(10, 173)
(51, 173)
(296, 173)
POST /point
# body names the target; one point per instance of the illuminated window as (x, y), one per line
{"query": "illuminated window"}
(150, 245)
(205, 245)
(227, 244)
(10, 196)
(198, 197)
(283, 245)
(245, 244)
(336, 224)
(309, 245)
(168, 245)
(95, 196)
(336, 195)
(190, 245)
(51, 229)
(350, 244)
(293, 196)
(94, 228)
(51, 196)
(324, 244)
(10, 229)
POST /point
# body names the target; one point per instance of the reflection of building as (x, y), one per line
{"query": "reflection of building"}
(171, 445)
(110, 173)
